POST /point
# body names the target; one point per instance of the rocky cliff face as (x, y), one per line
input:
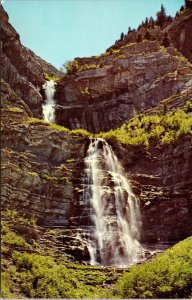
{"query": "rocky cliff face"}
(43, 165)
(21, 68)
(180, 33)
(178, 29)
(161, 178)
(133, 80)
(43, 176)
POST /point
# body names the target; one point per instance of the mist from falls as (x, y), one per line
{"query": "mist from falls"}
(49, 106)
(114, 209)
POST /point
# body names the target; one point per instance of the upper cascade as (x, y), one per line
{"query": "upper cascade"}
(49, 106)
(114, 209)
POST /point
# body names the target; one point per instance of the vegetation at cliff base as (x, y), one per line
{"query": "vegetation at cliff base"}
(33, 270)
(167, 276)
(162, 128)
(30, 271)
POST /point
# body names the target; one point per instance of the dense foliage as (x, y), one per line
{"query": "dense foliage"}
(158, 128)
(30, 271)
(34, 270)
(167, 276)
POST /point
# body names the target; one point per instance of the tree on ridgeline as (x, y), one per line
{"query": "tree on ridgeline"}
(147, 35)
(122, 36)
(129, 30)
(165, 41)
(151, 23)
(161, 17)
(169, 19)
(139, 38)
(146, 23)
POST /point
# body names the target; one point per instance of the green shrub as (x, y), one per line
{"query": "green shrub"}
(81, 132)
(167, 276)
(50, 77)
(160, 129)
(54, 178)
(41, 277)
(71, 67)
(88, 67)
(84, 91)
(12, 238)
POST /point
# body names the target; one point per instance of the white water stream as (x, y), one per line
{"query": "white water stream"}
(114, 209)
(49, 106)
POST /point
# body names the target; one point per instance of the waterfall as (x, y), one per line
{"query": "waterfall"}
(49, 106)
(114, 209)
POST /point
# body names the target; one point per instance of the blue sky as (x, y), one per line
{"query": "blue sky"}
(60, 30)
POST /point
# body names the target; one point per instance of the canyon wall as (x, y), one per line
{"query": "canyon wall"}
(43, 165)
(133, 80)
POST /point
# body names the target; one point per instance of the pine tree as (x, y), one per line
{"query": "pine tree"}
(151, 23)
(146, 23)
(129, 30)
(139, 38)
(165, 41)
(139, 27)
(122, 36)
(169, 19)
(147, 35)
(161, 16)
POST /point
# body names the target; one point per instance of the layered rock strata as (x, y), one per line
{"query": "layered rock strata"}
(133, 80)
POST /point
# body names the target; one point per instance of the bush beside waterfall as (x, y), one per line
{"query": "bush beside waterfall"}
(154, 129)
(167, 276)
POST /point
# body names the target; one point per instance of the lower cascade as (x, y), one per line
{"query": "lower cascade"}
(114, 209)
(49, 106)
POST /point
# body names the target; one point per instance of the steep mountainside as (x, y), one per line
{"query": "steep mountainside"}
(179, 33)
(133, 79)
(43, 169)
(21, 68)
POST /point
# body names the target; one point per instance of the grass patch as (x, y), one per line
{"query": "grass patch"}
(54, 178)
(14, 109)
(128, 45)
(74, 132)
